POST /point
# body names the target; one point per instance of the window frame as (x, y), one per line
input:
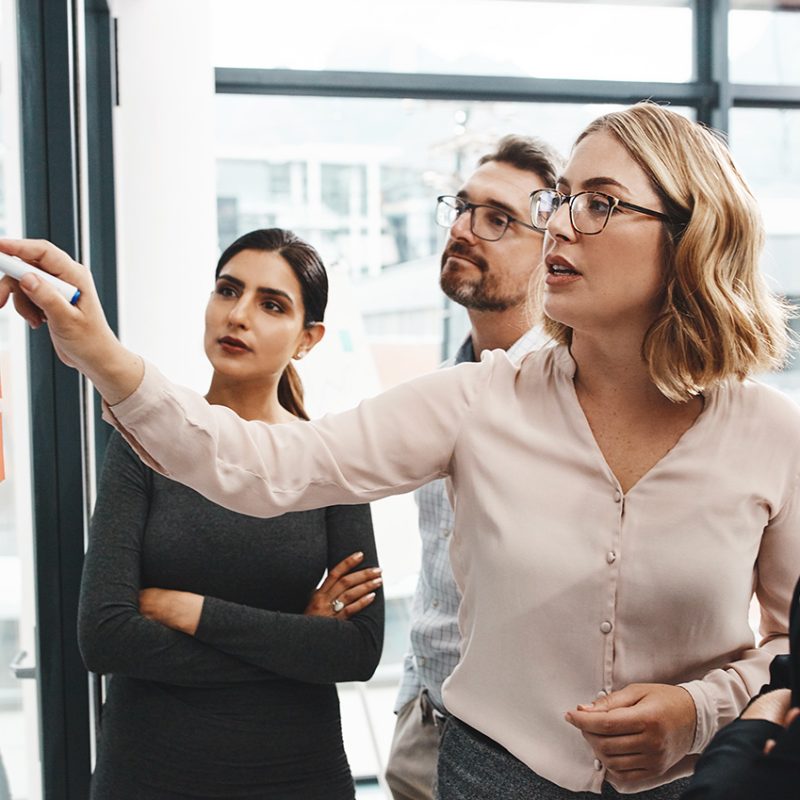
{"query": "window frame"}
(66, 99)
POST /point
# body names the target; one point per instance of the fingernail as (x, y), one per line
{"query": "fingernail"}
(377, 582)
(358, 555)
(371, 595)
(376, 570)
(568, 717)
(585, 706)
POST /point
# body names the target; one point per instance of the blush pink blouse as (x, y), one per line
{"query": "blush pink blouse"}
(570, 587)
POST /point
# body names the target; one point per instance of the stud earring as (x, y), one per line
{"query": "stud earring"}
(300, 354)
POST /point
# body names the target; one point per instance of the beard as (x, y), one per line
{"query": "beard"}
(481, 292)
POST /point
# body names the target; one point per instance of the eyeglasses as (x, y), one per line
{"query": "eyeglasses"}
(589, 212)
(486, 222)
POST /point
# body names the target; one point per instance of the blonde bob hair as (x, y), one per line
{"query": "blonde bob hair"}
(718, 318)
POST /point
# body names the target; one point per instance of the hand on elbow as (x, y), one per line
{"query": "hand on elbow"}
(344, 593)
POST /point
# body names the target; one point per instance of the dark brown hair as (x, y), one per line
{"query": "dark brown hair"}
(310, 273)
(527, 153)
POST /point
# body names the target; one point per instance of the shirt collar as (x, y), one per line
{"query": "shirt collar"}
(532, 339)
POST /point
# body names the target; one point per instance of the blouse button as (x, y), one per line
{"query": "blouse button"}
(617, 495)
(598, 764)
(611, 556)
(602, 693)
(435, 603)
(606, 626)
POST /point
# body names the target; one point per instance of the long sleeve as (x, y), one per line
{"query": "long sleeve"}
(389, 444)
(113, 636)
(734, 766)
(722, 694)
(307, 648)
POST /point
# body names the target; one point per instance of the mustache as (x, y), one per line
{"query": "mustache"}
(460, 249)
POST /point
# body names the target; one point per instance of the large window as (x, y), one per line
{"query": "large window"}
(359, 178)
(461, 37)
(766, 144)
(763, 42)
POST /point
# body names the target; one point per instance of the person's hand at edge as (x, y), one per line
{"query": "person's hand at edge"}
(81, 335)
(774, 707)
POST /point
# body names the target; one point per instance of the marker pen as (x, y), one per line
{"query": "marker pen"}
(16, 268)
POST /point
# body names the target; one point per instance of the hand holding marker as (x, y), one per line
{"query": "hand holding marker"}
(16, 268)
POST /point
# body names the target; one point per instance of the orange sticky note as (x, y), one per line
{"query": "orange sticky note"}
(2, 461)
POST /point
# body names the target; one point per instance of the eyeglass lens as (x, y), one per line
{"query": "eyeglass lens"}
(589, 211)
(485, 222)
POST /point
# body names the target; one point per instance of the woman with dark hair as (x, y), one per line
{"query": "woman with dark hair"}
(310, 271)
(222, 655)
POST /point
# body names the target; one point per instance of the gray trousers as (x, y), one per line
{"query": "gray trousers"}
(472, 766)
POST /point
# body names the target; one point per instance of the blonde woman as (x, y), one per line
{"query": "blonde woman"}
(618, 497)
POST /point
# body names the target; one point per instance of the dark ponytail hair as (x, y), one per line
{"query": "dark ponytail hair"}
(310, 273)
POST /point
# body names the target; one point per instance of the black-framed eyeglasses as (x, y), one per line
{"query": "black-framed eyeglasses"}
(589, 212)
(486, 222)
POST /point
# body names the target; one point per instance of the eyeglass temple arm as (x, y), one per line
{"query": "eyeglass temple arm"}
(641, 210)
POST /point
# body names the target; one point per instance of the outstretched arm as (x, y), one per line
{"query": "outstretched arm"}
(388, 445)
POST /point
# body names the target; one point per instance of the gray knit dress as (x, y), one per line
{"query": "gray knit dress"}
(247, 708)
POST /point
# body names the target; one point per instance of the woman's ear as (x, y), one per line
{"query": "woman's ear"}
(309, 339)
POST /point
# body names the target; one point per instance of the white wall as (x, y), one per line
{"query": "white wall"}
(165, 179)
